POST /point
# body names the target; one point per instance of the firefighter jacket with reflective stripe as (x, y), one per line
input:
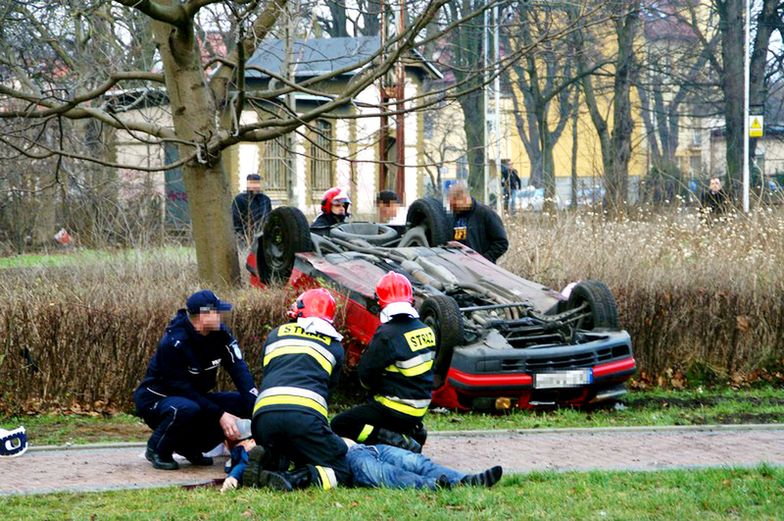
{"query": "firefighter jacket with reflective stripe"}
(397, 367)
(300, 369)
(186, 364)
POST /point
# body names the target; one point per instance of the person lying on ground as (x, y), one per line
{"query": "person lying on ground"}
(371, 466)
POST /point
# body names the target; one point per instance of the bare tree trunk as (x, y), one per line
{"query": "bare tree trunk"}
(623, 126)
(731, 16)
(206, 184)
(473, 123)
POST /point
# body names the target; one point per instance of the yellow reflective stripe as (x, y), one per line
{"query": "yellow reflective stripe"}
(364, 433)
(401, 407)
(300, 350)
(411, 371)
(283, 399)
(326, 482)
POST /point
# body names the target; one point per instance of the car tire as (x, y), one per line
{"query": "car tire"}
(430, 213)
(442, 314)
(601, 302)
(285, 233)
(351, 231)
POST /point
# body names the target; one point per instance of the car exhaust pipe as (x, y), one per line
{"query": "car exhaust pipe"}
(609, 394)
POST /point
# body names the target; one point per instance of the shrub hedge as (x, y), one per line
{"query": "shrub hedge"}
(690, 295)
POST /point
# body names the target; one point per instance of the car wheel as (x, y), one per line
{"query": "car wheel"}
(442, 314)
(376, 234)
(603, 311)
(285, 233)
(430, 213)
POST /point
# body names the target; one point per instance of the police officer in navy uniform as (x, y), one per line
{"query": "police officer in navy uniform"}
(334, 210)
(397, 369)
(302, 361)
(174, 397)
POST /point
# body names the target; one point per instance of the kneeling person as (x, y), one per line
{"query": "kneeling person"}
(174, 398)
(302, 361)
(397, 369)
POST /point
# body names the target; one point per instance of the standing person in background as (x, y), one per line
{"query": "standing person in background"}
(389, 208)
(476, 225)
(715, 200)
(510, 183)
(334, 209)
(174, 397)
(249, 209)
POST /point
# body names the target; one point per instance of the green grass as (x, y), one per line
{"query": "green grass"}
(649, 408)
(81, 257)
(683, 494)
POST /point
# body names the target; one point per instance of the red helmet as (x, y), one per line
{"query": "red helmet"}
(335, 195)
(393, 287)
(314, 303)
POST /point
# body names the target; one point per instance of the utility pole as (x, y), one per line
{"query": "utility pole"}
(393, 88)
(746, 100)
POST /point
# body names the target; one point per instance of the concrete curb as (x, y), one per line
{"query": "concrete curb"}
(488, 433)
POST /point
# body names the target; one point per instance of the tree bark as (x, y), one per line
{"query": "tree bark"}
(207, 186)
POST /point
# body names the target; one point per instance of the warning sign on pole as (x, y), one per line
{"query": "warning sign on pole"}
(756, 123)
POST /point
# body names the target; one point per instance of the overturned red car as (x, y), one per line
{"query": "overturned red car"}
(503, 341)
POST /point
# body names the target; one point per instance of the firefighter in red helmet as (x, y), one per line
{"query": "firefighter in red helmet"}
(301, 362)
(334, 209)
(397, 370)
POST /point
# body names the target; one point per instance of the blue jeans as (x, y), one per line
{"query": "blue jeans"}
(391, 467)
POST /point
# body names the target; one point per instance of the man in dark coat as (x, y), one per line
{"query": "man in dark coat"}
(715, 200)
(476, 225)
(249, 209)
(174, 397)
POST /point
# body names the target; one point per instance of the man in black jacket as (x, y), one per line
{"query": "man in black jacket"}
(476, 225)
(174, 398)
(249, 209)
(397, 369)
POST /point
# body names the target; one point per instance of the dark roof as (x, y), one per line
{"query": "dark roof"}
(319, 56)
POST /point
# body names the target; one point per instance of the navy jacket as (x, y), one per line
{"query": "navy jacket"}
(397, 367)
(327, 220)
(300, 370)
(481, 229)
(248, 211)
(186, 365)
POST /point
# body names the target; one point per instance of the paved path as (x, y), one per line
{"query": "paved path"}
(122, 466)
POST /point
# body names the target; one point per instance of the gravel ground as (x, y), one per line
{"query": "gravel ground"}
(122, 466)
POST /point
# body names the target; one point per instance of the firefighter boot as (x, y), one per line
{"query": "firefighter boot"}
(287, 481)
(419, 433)
(487, 478)
(257, 457)
(396, 439)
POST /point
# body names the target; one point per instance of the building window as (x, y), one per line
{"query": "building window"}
(273, 165)
(321, 158)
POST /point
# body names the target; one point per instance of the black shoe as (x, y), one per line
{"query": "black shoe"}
(274, 480)
(199, 460)
(488, 478)
(256, 459)
(160, 462)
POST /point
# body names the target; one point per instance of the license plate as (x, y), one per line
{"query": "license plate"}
(560, 379)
